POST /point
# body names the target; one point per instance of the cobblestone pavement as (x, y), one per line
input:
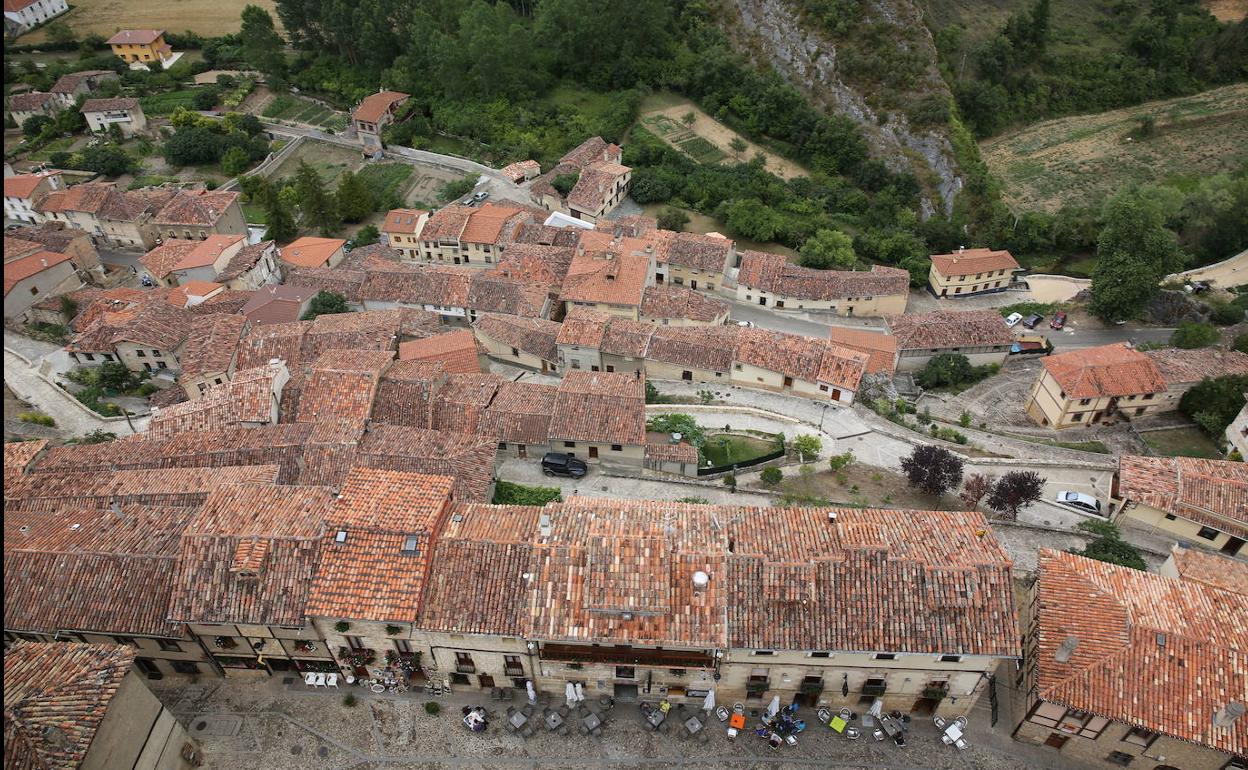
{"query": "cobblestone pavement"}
(268, 725)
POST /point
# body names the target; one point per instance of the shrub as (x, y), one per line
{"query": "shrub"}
(730, 480)
(965, 419)
(393, 630)
(1240, 344)
(342, 626)
(672, 218)
(432, 708)
(695, 499)
(349, 700)
(98, 436)
(837, 462)
(35, 418)
(1195, 335)
(771, 476)
(1225, 313)
(509, 493)
(807, 446)
(683, 424)
(1108, 546)
(458, 188)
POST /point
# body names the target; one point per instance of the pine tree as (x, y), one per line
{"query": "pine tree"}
(281, 220)
(355, 200)
(320, 210)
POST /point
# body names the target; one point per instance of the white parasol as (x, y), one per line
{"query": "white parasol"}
(532, 693)
(569, 693)
(708, 705)
(580, 691)
(774, 707)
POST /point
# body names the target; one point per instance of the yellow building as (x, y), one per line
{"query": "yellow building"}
(1204, 502)
(1083, 387)
(141, 45)
(971, 271)
(402, 231)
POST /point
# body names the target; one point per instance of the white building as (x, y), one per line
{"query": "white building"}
(21, 192)
(123, 111)
(23, 15)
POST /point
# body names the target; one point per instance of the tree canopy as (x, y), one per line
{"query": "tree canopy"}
(935, 470)
(1134, 253)
(827, 250)
(325, 303)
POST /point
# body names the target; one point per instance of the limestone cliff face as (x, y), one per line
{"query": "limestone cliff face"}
(772, 32)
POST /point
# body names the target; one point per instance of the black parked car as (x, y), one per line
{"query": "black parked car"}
(558, 464)
(1033, 320)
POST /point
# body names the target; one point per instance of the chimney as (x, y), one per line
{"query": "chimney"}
(544, 526)
(1066, 649)
(700, 581)
(1225, 717)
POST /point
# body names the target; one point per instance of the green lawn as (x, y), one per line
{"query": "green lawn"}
(253, 214)
(724, 449)
(385, 179)
(1182, 442)
(60, 144)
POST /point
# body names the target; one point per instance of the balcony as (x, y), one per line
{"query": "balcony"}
(465, 668)
(626, 656)
(757, 685)
(359, 658)
(874, 689)
(513, 671)
(936, 693)
(811, 688)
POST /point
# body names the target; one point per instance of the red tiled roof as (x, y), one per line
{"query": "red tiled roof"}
(1109, 370)
(162, 260)
(693, 250)
(968, 261)
(1199, 566)
(212, 344)
(486, 224)
(699, 347)
(1184, 367)
(613, 278)
(246, 259)
(199, 208)
(245, 399)
(457, 351)
(67, 84)
(275, 304)
(600, 407)
(23, 185)
(56, 696)
(403, 221)
(520, 413)
(268, 341)
(1209, 492)
(535, 336)
(30, 102)
(1160, 653)
(375, 105)
(135, 37)
(18, 456)
(376, 572)
(446, 223)
(342, 384)
(666, 451)
(180, 487)
(582, 327)
(789, 354)
(680, 302)
(774, 273)
(942, 329)
(19, 270)
(880, 348)
(491, 293)
(311, 252)
(127, 103)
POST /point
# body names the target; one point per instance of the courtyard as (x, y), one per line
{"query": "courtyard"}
(278, 723)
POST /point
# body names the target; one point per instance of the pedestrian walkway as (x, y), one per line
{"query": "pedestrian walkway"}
(70, 415)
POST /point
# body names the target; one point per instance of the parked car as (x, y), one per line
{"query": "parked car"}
(1059, 321)
(746, 324)
(467, 201)
(1033, 320)
(480, 196)
(1079, 500)
(559, 464)
(1012, 319)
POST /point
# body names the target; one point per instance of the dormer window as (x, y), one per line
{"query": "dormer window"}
(341, 536)
(411, 544)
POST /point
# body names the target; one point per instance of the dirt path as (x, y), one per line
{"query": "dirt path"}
(1225, 274)
(717, 134)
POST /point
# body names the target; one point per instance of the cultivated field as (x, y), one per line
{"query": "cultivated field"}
(1081, 159)
(295, 109)
(706, 140)
(105, 17)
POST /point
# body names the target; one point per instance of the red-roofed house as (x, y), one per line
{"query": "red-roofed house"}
(178, 261)
(197, 214)
(1082, 387)
(373, 114)
(21, 192)
(141, 45)
(33, 277)
(1204, 502)
(968, 272)
(22, 15)
(125, 112)
(402, 230)
(601, 182)
(313, 252)
(462, 235)
(457, 351)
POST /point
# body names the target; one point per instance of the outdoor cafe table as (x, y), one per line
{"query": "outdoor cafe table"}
(592, 722)
(891, 726)
(656, 717)
(954, 731)
(518, 719)
(693, 725)
(553, 720)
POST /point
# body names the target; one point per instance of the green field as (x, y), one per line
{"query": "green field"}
(685, 139)
(1082, 159)
(1181, 442)
(298, 110)
(724, 449)
(385, 179)
(166, 103)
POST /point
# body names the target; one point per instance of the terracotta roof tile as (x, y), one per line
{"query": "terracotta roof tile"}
(1199, 566)
(968, 261)
(680, 302)
(342, 383)
(600, 407)
(245, 399)
(534, 263)
(457, 351)
(1160, 653)
(376, 571)
(310, 252)
(202, 207)
(881, 348)
(950, 329)
(774, 273)
(461, 399)
(693, 250)
(29, 102)
(373, 106)
(56, 697)
(535, 336)
(181, 487)
(18, 270)
(490, 293)
(126, 103)
(520, 413)
(1184, 367)
(710, 348)
(24, 185)
(1109, 370)
(582, 328)
(666, 451)
(406, 393)
(446, 223)
(135, 37)
(488, 223)
(157, 325)
(265, 342)
(1210, 492)
(612, 278)
(404, 221)
(66, 84)
(466, 457)
(18, 456)
(246, 259)
(212, 344)
(789, 354)
(277, 304)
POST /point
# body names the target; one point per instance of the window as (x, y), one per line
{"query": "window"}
(1077, 417)
(569, 444)
(1171, 517)
(1084, 401)
(89, 356)
(411, 544)
(821, 655)
(464, 664)
(617, 448)
(1140, 737)
(1208, 533)
(764, 652)
(625, 672)
(126, 640)
(884, 656)
(515, 351)
(512, 665)
(184, 666)
(402, 645)
(1119, 758)
(141, 353)
(355, 642)
(502, 445)
(950, 658)
(168, 645)
(34, 290)
(161, 365)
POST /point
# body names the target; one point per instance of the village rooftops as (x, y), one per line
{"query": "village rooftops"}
(456, 350)
(158, 325)
(682, 303)
(519, 413)
(195, 207)
(183, 487)
(974, 261)
(1158, 653)
(582, 327)
(881, 349)
(249, 554)
(23, 185)
(601, 407)
(531, 335)
(18, 456)
(1196, 565)
(1179, 366)
(245, 399)
(374, 106)
(943, 329)
(19, 270)
(694, 250)
(774, 273)
(710, 348)
(56, 697)
(594, 183)
(446, 224)
(277, 303)
(378, 545)
(1209, 492)
(342, 384)
(491, 223)
(404, 221)
(29, 102)
(1106, 371)
(122, 103)
(607, 277)
(212, 344)
(246, 259)
(135, 37)
(311, 252)
(66, 84)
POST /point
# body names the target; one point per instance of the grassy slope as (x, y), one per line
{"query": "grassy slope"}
(1082, 158)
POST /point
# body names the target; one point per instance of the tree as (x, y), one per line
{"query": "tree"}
(808, 446)
(738, 146)
(281, 223)
(771, 476)
(192, 146)
(319, 208)
(1195, 335)
(326, 303)
(975, 488)
(367, 235)
(1015, 491)
(108, 159)
(946, 370)
(750, 218)
(828, 249)
(115, 376)
(683, 424)
(262, 46)
(935, 470)
(59, 32)
(115, 134)
(672, 218)
(34, 125)
(355, 200)
(205, 98)
(565, 182)
(1240, 345)
(1108, 545)
(1213, 403)
(235, 161)
(689, 118)
(1134, 252)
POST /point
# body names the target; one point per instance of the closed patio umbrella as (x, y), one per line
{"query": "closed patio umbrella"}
(773, 708)
(845, 687)
(708, 705)
(569, 693)
(580, 691)
(532, 692)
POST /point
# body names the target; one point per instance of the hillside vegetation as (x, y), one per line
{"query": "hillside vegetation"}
(1081, 160)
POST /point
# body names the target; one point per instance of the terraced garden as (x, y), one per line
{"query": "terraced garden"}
(296, 109)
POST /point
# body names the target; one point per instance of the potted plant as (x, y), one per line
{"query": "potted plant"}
(225, 642)
(342, 626)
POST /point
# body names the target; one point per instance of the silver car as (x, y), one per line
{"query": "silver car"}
(1079, 500)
